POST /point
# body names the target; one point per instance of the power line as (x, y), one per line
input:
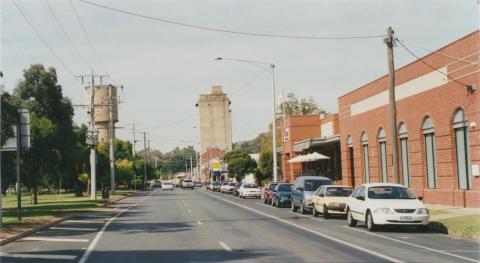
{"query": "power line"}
(163, 20)
(62, 29)
(427, 64)
(173, 122)
(41, 38)
(88, 37)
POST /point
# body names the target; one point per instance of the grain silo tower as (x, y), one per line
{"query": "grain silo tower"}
(102, 110)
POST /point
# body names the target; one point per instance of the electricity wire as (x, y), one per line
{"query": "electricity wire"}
(220, 30)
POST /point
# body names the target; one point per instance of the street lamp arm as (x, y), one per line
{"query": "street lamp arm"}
(251, 62)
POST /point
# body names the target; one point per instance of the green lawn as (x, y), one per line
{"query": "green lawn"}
(466, 226)
(50, 206)
(438, 212)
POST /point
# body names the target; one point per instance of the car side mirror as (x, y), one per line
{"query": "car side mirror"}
(420, 198)
(360, 198)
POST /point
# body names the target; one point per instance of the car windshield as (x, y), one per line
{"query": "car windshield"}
(285, 188)
(338, 191)
(250, 186)
(231, 184)
(272, 186)
(312, 185)
(390, 192)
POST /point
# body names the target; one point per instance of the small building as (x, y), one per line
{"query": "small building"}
(212, 166)
(438, 111)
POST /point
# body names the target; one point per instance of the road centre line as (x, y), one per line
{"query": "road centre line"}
(189, 211)
(224, 246)
(413, 245)
(37, 256)
(73, 228)
(198, 222)
(92, 245)
(54, 239)
(371, 252)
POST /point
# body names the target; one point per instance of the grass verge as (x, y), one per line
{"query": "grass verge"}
(467, 226)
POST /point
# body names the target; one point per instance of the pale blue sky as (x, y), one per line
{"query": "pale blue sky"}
(164, 67)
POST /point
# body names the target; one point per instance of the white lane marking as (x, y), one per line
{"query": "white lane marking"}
(82, 221)
(371, 252)
(198, 222)
(413, 245)
(189, 211)
(54, 239)
(73, 228)
(95, 216)
(92, 245)
(38, 256)
(224, 246)
(264, 205)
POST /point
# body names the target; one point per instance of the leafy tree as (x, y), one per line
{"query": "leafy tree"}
(124, 171)
(239, 164)
(9, 117)
(304, 106)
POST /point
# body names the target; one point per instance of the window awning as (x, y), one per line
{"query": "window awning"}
(300, 146)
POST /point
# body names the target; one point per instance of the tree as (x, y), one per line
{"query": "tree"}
(239, 164)
(304, 106)
(9, 117)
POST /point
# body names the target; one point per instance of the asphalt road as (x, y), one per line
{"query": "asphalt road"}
(201, 226)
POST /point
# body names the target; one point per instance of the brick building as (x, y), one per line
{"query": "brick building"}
(438, 119)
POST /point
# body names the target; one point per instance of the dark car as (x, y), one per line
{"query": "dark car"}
(216, 186)
(303, 189)
(282, 194)
(267, 193)
(235, 189)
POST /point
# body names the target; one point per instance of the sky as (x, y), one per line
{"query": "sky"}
(164, 67)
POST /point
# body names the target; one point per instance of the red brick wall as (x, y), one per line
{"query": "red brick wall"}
(440, 104)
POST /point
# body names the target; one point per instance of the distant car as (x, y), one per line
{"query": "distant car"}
(197, 184)
(227, 188)
(167, 185)
(303, 190)
(187, 183)
(223, 186)
(282, 194)
(210, 186)
(216, 186)
(267, 193)
(250, 190)
(386, 204)
(330, 199)
(157, 184)
(235, 189)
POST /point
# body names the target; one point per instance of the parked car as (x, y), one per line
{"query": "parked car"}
(330, 199)
(197, 184)
(386, 204)
(216, 186)
(210, 186)
(303, 190)
(157, 184)
(282, 194)
(227, 188)
(267, 193)
(250, 190)
(235, 189)
(167, 185)
(187, 183)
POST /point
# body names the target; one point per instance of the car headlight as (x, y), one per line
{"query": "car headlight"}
(383, 210)
(422, 211)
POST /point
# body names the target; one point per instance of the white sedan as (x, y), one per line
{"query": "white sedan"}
(167, 185)
(385, 204)
(250, 190)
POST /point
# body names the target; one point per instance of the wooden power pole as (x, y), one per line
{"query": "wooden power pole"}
(390, 41)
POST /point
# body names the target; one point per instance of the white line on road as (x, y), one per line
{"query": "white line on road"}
(95, 216)
(371, 252)
(82, 221)
(413, 245)
(198, 222)
(224, 246)
(92, 245)
(38, 256)
(74, 228)
(55, 239)
(189, 211)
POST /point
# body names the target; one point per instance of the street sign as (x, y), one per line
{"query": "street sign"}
(11, 143)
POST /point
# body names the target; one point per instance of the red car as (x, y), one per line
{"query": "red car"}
(267, 193)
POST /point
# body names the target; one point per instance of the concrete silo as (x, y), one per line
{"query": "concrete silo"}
(102, 110)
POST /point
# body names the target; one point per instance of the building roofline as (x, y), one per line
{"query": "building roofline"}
(409, 64)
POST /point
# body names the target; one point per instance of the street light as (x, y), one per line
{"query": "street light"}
(274, 127)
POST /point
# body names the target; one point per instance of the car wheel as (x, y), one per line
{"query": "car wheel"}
(325, 212)
(370, 224)
(294, 208)
(423, 228)
(277, 203)
(351, 222)
(314, 211)
(302, 209)
(264, 200)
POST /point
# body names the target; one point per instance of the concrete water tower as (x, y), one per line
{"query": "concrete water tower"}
(102, 110)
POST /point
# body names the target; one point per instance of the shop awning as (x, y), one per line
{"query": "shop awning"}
(308, 158)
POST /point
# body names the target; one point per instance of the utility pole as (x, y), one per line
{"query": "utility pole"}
(134, 140)
(191, 167)
(274, 127)
(390, 41)
(111, 139)
(144, 159)
(19, 178)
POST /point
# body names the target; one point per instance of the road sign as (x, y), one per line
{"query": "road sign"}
(11, 143)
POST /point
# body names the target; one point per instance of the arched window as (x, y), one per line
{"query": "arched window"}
(382, 140)
(351, 159)
(460, 127)
(366, 171)
(403, 135)
(430, 161)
